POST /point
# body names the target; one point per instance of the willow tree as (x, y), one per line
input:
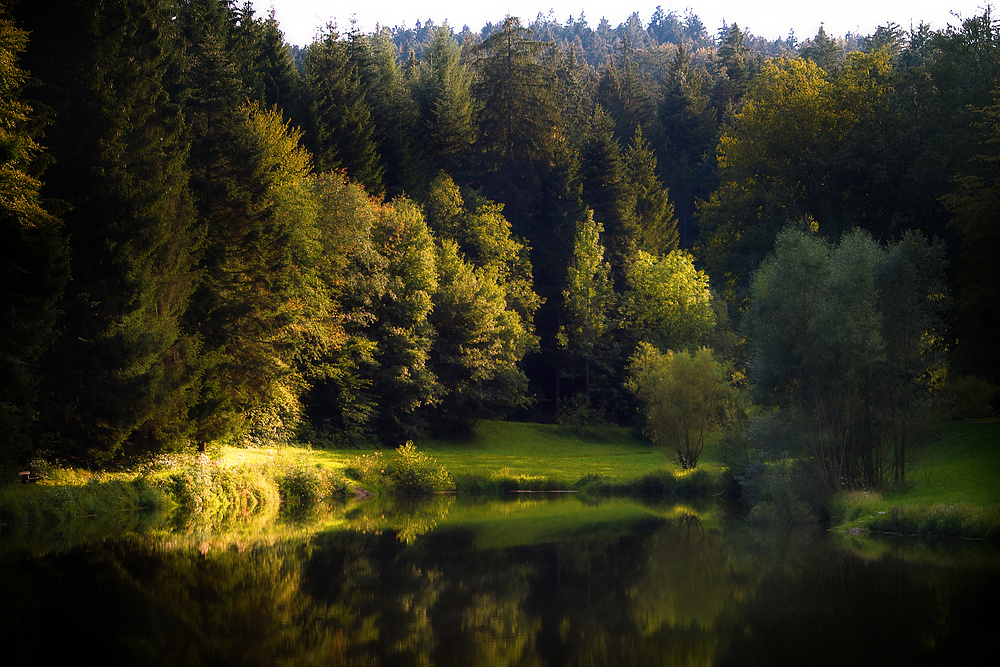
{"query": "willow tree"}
(843, 337)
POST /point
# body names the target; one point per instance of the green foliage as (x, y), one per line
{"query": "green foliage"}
(405, 472)
(654, 211)
(588, 312)
(854, 367)
(668, 302)
(478, 343)
(34, 269)
(689, 124)
(685, 396)
(120, 378)
(607, 192)
(206, 488)
(517, 111)
(302, 486)
(442, 91)
(261, 306)
(343, 132)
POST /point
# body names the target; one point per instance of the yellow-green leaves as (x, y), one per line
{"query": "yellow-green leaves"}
(684, 396)
(668, 302)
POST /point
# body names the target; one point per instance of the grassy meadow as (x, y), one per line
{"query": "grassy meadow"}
(952, 489)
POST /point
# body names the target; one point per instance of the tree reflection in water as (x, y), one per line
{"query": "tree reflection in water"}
(543, 582)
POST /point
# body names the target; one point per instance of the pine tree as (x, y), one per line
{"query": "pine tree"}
(654, 211)
(607, 193)
(444, 96)
(689, 124)
(259, 305)
(393, 111)
(518, 116)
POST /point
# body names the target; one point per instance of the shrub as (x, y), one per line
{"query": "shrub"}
(407, 472)
(302, 485)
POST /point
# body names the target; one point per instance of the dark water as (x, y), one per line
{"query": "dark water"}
(530, 581)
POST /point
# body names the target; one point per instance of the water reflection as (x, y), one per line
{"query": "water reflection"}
(525, 581)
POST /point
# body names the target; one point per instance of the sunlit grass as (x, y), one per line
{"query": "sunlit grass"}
(559, 454)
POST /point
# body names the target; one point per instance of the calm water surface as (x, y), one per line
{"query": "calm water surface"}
(529, 580)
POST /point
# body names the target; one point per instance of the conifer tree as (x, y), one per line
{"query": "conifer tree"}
(688, 121)
(654, 212)
(444, 97)
(33, 271)
(342, 129)
(119, 378)
(518, 116)
(607, 193)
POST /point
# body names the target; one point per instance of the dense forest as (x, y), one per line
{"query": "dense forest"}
(212, 236)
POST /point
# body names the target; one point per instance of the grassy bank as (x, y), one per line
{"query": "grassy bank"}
(497, 457)
(232, 485)
(952, 490)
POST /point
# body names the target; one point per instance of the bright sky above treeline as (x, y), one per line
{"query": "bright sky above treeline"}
(772, 19)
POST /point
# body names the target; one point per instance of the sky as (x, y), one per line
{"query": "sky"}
(300, 19)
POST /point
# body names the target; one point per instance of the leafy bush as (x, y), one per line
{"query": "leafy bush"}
(407, 472)
(207, 486)
(853, 505)
(302, 485)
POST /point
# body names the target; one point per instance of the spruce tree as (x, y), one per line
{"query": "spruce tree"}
(518, 116)
(119, 377)
(33, 271)
(342, 128)
(259, 305)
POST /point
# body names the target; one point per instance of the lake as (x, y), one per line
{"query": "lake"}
(529, 579)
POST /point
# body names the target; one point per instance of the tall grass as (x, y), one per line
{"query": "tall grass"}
(213, 489)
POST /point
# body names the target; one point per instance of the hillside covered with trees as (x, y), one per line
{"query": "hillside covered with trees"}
(212, 236)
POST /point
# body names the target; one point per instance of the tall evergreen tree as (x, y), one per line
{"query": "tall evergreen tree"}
(120, 376)
(607, 193)
(33, 270)
(518, 116)
(258, 302)
(654, 212)
(624, 95)
(689, 124)
(444, 95)
(393, 111)
(342, 129)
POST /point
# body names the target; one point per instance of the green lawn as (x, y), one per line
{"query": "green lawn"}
(557, 453)
(962, 467)
(952, 489)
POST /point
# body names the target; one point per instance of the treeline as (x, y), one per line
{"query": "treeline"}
(213, 236)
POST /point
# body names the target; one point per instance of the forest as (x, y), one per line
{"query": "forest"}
(213, 236)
